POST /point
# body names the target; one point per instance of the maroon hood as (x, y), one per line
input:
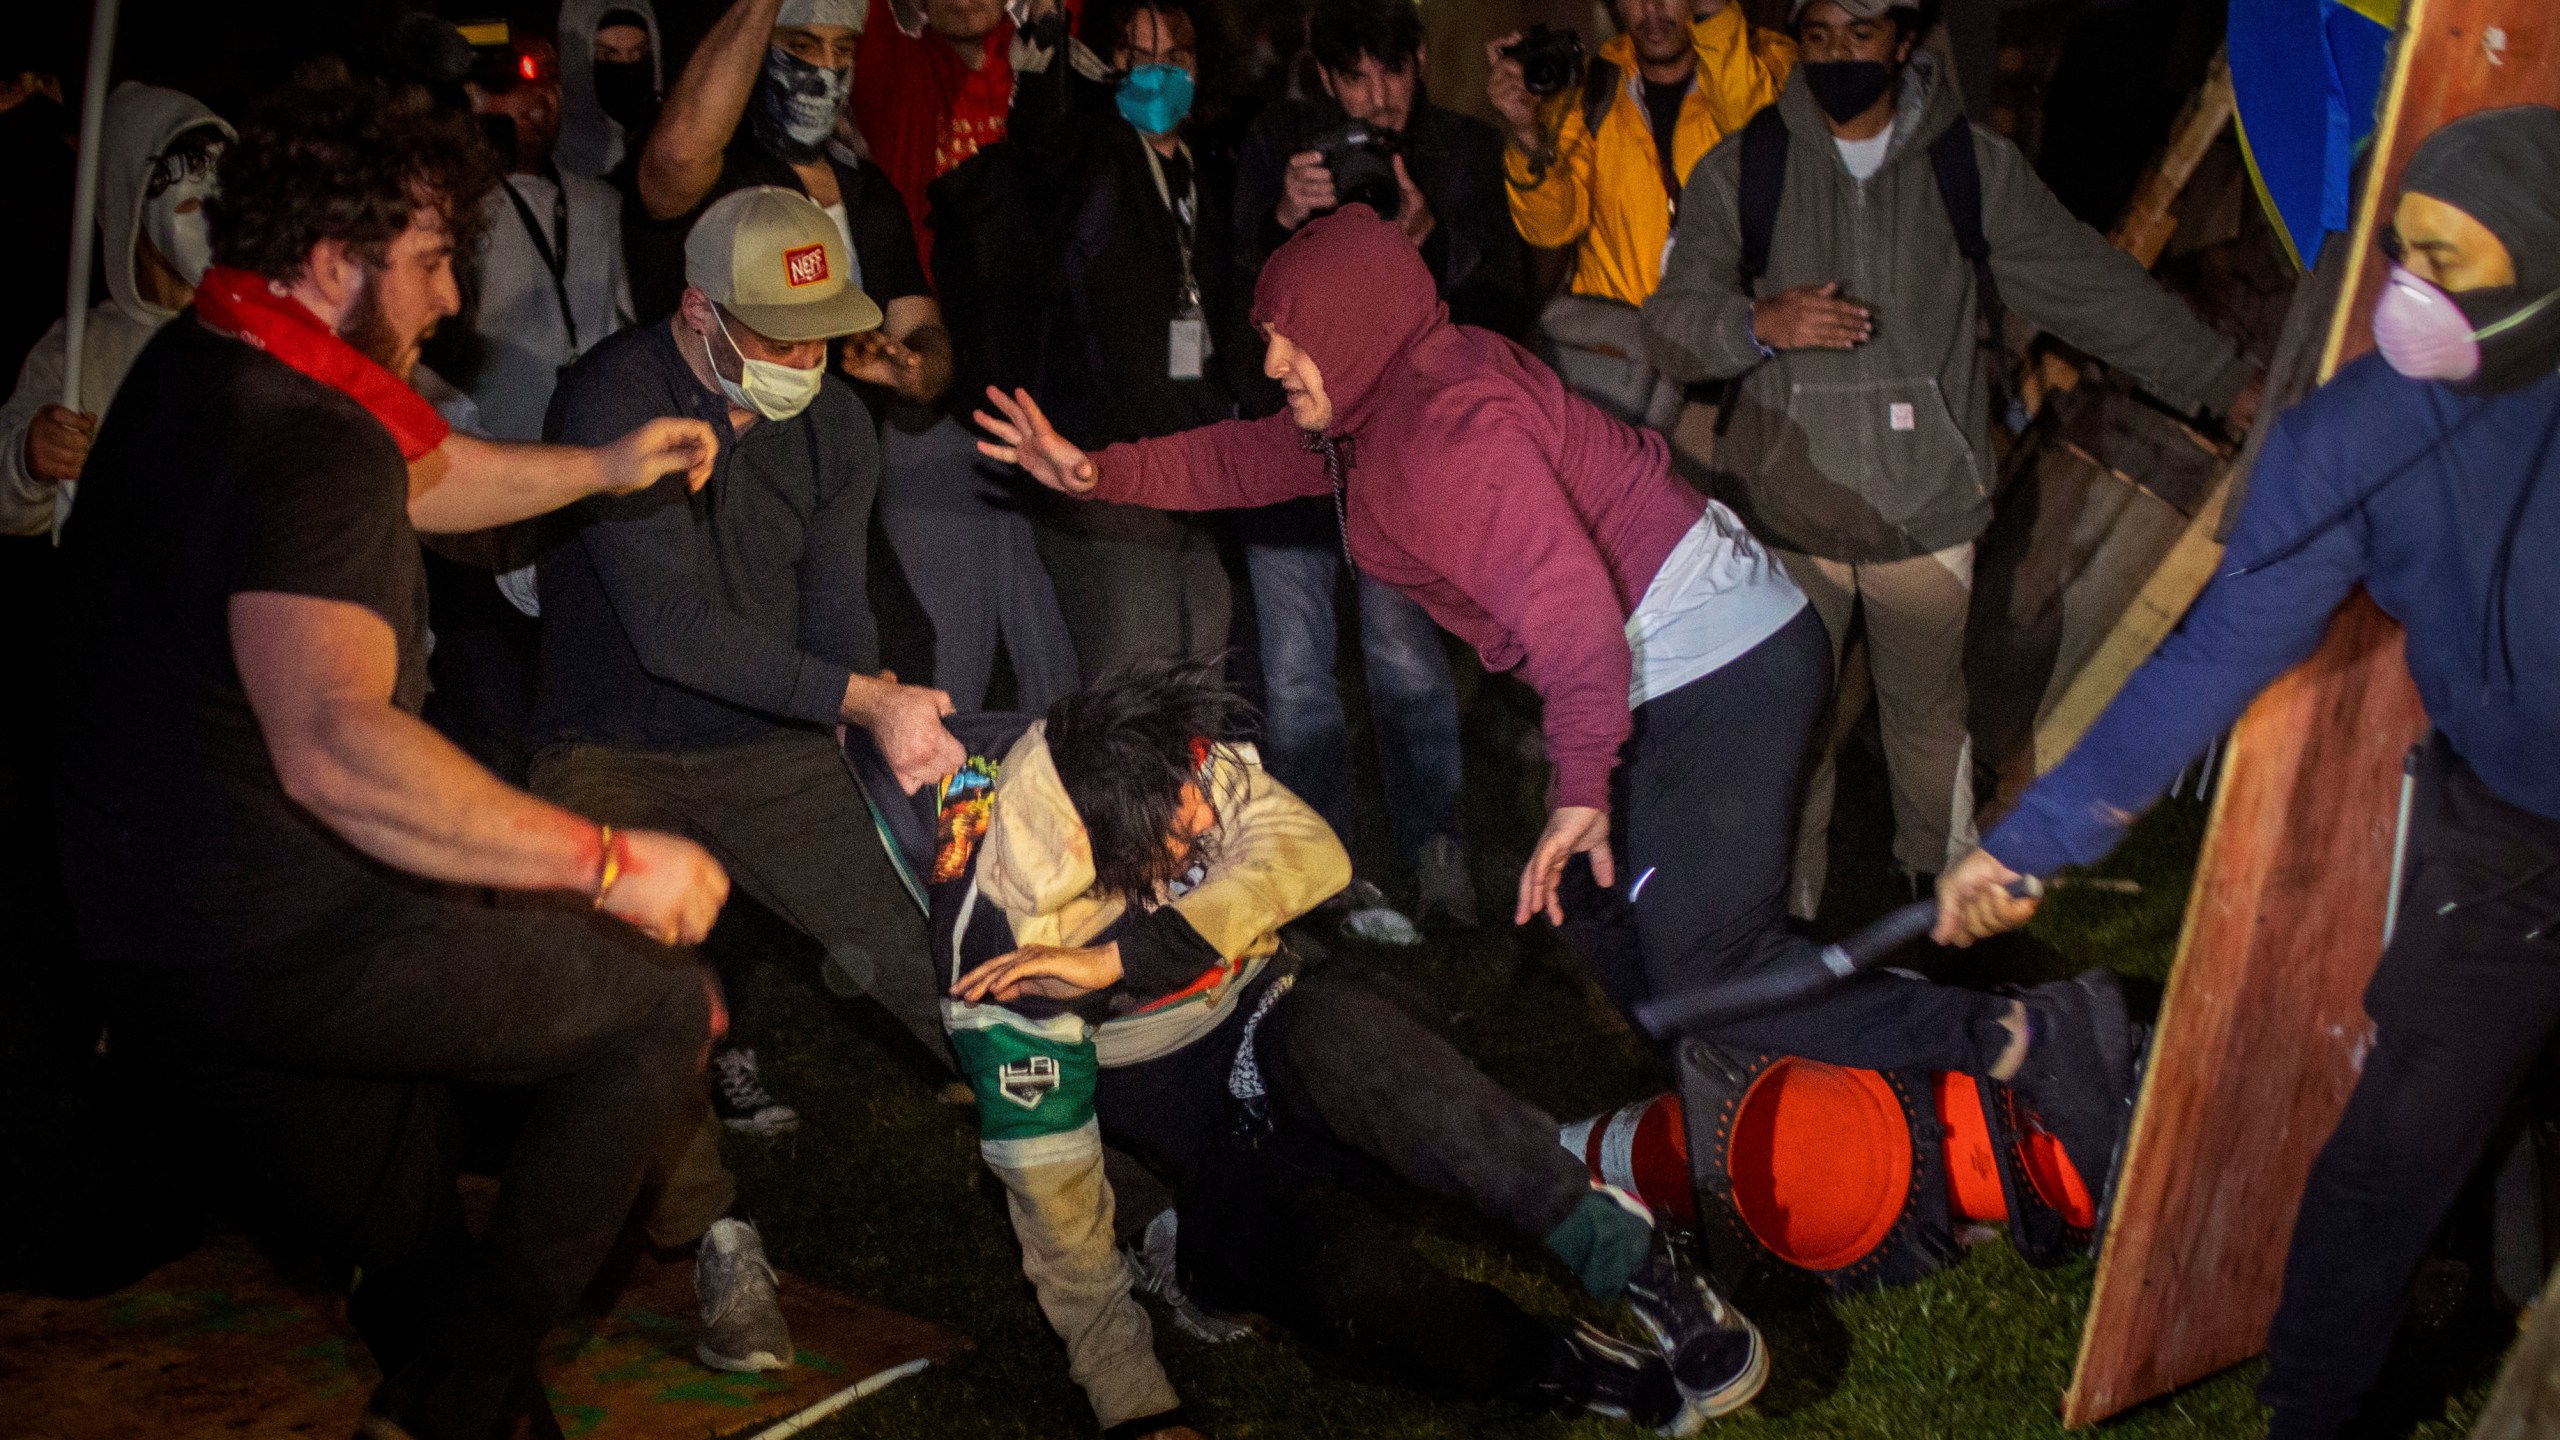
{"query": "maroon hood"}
(1349, 290)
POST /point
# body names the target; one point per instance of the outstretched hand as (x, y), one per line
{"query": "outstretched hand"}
(1024, 437)
(1051, 972)
(1571, 830)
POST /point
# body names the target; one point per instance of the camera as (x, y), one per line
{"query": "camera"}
(1362, 159)
(1550, 60)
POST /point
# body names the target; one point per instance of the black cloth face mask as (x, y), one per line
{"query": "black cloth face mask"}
(1845, 88)
(626, 94)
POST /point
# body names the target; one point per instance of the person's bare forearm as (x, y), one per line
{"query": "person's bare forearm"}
(389, 785)
(468, 484)
(682, 160)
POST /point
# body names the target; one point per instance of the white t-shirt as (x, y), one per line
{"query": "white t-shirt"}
(1865, 157)
(1719, 593)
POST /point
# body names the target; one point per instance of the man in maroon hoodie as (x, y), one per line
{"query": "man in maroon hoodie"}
(1681, 669)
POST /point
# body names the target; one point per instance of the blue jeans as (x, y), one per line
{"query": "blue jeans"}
(1413, 702)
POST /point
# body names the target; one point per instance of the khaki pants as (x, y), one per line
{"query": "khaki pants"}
(1915, 612)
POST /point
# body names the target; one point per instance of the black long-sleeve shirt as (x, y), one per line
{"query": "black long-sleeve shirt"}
(679, 621)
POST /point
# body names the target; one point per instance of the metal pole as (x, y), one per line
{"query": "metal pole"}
(84, 220)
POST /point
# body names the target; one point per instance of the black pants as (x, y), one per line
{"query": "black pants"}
(1286, 1218)
(325, 1075)
(2465, 1000)
(1703, 814)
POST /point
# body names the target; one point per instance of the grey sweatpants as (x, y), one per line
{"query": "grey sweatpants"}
(1915, 611)
(785, 819)
(968, 553)
(1135, 583)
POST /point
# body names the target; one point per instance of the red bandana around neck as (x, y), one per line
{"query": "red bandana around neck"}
(252, 309)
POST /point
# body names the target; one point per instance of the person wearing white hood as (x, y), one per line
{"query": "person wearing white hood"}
(158, 153)
(612, 73)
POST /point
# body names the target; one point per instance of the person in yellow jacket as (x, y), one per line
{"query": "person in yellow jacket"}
(1685, 74)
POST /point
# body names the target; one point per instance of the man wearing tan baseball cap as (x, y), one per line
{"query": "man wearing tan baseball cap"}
(698, 652)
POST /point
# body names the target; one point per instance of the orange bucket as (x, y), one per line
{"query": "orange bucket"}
(1821, 1162)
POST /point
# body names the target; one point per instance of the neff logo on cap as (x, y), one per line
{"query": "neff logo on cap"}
(804, 266)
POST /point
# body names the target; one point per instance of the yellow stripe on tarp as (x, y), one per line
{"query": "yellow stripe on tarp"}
(2266, 200)
(2385, 13)
(484, 32)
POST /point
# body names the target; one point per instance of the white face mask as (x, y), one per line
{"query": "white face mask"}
(774, 391)
(181, 236)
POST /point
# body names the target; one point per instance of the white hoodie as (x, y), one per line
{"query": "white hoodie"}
(592, 142)
(141, 122)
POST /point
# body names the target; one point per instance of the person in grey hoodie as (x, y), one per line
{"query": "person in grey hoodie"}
(608, 93)
(156, 168)
(1859, 440)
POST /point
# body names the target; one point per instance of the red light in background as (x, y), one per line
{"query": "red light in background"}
(526, 67)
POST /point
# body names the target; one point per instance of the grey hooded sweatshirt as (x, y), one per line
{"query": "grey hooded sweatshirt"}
(1883, 452)
(592, 142)
(141, 122)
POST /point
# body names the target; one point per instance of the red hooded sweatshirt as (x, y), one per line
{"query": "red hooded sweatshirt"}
(1523, 518)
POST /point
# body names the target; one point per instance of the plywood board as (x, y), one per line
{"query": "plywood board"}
(218, 1344)
(2263, 1031)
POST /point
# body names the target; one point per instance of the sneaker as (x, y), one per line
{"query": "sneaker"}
(1716, 1356)
(2077, 1083)
(1447, 893)
(1150, 1258)
(1599, 1372)
(742, 1324)
(1361, 912)
(739, 1098)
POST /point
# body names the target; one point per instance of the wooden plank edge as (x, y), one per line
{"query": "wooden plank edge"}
(2078, 1407)
(2386, 132)
(2156, 610)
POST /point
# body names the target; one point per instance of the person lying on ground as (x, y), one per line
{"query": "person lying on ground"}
(1681, 668)
(1107, 887)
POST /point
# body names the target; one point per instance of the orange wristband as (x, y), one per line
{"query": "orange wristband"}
(611, 868)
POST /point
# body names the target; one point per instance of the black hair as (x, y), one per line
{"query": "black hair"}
(1912, 22)
(332, 157)
(1105, 25)
(1342, 31)
(1125, 746)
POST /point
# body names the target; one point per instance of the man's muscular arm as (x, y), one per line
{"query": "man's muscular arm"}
(468, 484)
(319, 675)
(682, 160)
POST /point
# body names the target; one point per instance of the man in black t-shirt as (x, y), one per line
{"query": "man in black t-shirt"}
(279, 871)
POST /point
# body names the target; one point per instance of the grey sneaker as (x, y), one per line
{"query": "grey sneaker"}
(739, 1098)
(742, 1324)
(1716, 1356)
(1360, 910)
(1447, 891)
(1151, 1272)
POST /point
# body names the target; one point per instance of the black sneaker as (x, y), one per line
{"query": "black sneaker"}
(1716, 1356)
(2077, 1083)
(1605, 1375)
(739, 1098)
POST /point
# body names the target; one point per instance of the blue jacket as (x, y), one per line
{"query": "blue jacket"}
(2445, 506)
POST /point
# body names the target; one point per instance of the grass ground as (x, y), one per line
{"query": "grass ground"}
(880, 1192)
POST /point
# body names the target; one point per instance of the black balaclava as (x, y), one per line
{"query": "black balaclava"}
(2502, 168)
(627, 90)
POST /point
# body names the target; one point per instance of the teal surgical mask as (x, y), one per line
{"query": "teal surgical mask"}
(1155, 98)
(774, 391)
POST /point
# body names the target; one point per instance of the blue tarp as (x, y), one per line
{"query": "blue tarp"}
(2306, 74)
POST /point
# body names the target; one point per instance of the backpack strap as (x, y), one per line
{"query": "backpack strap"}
(1763, 183)
(1599, 92)
(1959, 174)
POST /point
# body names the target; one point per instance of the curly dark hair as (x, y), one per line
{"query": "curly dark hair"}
(1124, 748)
(332, 157)
(1387, 31)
